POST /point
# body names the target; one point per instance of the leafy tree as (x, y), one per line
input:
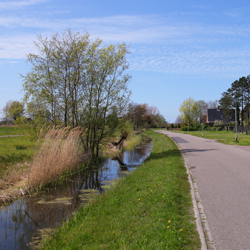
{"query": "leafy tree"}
(189, 110)
(77, 81)
(57, 78)
(143, 115)
(15, 110)
(227, 103)
(237, 95)
(106, 93)
(137, 114)
(161, 121)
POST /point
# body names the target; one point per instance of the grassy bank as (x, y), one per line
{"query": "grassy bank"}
(150, 209)
(226, 137)
(26, 163)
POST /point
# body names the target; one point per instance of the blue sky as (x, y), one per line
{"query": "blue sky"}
(179, 49)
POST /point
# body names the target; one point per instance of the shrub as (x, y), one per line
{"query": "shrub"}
(218, 123)
(125, 128)
(190, 128)
(204, 127)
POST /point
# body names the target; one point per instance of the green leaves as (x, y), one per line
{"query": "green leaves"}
(76, 81)
(15, 110)
(189, 110)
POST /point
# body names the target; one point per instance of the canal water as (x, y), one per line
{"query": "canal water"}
(24, 222)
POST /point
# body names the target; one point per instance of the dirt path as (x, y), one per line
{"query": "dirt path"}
(11, 135)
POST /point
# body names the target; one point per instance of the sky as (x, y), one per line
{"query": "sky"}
(179, 49)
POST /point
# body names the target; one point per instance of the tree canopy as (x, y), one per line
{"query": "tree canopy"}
(78, 81)
(15, 110)
(189, 110)
(238, 95)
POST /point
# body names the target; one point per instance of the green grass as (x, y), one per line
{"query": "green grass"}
(11, 131)
(226, 137)
(149, 209)
(14, 150)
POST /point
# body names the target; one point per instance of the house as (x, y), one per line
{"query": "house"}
(227, 116)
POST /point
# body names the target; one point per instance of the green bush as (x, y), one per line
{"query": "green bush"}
(185, 128)
(204, 127)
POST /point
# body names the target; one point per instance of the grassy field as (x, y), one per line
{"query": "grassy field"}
(149, 209)
(15, 150)
(226, 137)
(11, 130)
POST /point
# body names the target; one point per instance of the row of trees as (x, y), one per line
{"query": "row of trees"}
(192, 111)
(77, 81)
(238, 96)
(143, 115)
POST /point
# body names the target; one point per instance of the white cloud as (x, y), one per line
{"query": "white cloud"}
(16, 47)
(19, 4)
(160, 44)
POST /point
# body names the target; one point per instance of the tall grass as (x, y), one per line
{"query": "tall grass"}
(62, 150)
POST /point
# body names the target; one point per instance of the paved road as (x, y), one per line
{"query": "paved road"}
(222, 174)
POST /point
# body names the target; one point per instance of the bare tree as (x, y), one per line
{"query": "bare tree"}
(5, 110)
(212, 104)
(202, 108)
(178, 119)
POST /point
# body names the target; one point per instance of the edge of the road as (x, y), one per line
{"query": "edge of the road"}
(200, 216)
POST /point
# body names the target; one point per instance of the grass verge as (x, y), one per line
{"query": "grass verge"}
(225, 137)
(149, 209)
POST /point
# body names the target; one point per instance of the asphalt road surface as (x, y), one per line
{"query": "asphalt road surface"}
(222, 175)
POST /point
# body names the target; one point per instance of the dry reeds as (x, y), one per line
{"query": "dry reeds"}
(62, 150)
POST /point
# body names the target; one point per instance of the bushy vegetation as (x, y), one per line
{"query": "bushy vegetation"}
(186, 128)
(76, 81)
(144, 116)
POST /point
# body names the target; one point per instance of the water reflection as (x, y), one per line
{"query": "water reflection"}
(25, 220)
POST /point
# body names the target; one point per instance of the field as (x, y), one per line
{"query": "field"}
(11, 130)
(226, 137)
(15, 150)
(149, 209)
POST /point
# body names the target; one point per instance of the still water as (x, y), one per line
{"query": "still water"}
(23, 223)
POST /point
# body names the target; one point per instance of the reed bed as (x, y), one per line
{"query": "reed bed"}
(62, 150)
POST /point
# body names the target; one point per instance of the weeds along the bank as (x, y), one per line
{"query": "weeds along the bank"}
(149, 209)
(61, 151)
